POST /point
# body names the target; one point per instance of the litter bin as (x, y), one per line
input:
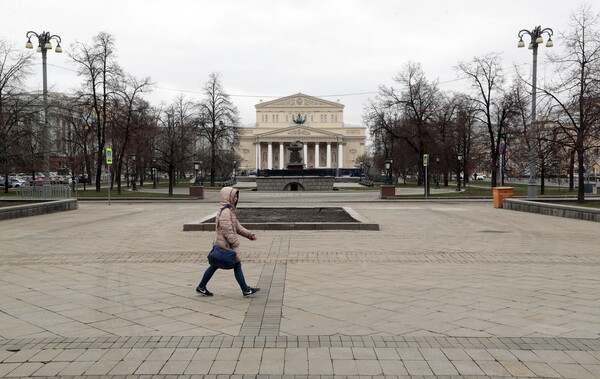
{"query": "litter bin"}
(501, 193)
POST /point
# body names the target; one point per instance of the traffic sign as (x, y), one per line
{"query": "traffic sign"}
(425, 160)
(109, 156)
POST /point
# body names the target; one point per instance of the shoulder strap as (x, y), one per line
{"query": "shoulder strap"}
(219, 216)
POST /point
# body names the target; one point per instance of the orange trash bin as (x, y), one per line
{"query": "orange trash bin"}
(501, 193)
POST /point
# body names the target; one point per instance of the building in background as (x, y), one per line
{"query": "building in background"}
(318, 124)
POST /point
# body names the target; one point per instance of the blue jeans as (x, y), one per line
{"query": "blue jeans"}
(237, 271)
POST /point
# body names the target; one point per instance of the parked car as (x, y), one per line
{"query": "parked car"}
(37, 182)
(477, 176)
(17, 183)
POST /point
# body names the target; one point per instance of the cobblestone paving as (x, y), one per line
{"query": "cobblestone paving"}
(444, 290)
(255, 256)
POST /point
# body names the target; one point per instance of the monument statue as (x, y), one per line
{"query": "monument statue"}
(299, 120)
(295, 156)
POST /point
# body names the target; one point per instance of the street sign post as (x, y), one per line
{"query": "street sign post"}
(425, 164)
(109, 161)
(109, 156)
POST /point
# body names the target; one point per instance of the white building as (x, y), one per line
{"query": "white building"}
(317, 123)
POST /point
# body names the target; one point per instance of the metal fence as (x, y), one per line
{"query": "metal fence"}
(45, 192)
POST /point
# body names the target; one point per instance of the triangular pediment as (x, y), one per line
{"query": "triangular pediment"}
(299, 130)
(299, 100)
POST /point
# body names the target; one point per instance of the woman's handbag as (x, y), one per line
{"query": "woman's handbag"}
(221, 258)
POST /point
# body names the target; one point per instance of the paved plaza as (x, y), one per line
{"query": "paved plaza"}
(444, 288)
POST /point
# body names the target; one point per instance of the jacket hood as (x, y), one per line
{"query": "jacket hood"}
(228, 195)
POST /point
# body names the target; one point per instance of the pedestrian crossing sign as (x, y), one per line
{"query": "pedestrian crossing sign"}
(109, 156)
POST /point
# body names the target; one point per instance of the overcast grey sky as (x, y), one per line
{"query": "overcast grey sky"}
(271, 48)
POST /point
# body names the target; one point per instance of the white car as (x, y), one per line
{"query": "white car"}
(479, 176)
(17, 183)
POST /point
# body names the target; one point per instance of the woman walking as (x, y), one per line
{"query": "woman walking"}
(227, 228)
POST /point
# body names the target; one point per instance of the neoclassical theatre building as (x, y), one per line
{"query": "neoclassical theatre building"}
(318, 124)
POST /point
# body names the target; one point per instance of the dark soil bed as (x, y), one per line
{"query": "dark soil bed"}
(261, 215)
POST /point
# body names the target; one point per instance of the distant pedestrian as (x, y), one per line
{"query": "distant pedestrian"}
(227, 228)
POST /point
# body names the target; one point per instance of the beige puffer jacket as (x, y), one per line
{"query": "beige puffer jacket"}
(228, 226)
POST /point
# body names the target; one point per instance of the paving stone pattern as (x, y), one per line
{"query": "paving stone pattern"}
(444, 289)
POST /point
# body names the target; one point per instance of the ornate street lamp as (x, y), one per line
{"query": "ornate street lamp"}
(388, 167)
(536, 38)
(437, 172)
(44, 44)
(154, 174)
(459, 158)
(503, 140)
(197, 166)
(361, 172)
(133, 172)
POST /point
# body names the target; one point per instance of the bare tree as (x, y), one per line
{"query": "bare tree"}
(494, 104)
(405, 116)
(463, 136)
(128, 105)
(77, 138)
(15, 105)
(418, 101)
(175, 138)
(576, 92)
(97, 65)
(218, 120)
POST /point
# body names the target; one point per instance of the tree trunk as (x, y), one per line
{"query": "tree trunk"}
(494, 170)
(213, 159)
(118, 172)
(580, 175)
(571, 172)
(171, 179)
(542, 177)
(99, 168)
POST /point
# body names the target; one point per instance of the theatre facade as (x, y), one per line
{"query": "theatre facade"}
(317, 125)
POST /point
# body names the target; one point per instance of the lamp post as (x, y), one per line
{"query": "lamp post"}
(44, 44)
(360, 166)
(154, 174)
(133, 172)
(388, 167)
(536, 38)
(437, 172)
(233, 174)
(459, 158)
(197, 165)
(503, 137)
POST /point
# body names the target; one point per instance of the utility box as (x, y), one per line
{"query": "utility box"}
(501, 193)
(590, 188)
